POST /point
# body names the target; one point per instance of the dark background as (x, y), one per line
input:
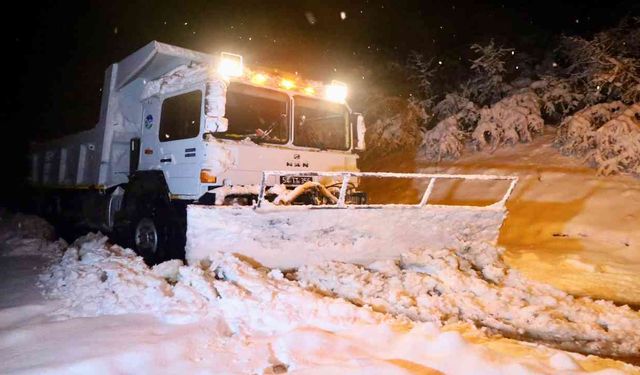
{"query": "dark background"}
(57, 51)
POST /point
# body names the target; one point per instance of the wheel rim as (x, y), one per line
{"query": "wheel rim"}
(146, 236)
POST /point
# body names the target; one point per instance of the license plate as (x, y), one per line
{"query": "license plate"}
(295, 180)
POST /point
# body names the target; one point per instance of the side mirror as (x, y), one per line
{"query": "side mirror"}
(215, 124)
(359, 129)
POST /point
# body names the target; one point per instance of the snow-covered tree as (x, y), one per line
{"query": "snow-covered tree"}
(444, 141)
(423, 72)
(606, 135)
(602, 70)
(393, 124)
(454, 104)
(511, 120)
(576, 134)
(618, 144)
(487, 84)
(558, 96)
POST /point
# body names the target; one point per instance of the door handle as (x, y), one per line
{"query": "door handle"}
(166, 160)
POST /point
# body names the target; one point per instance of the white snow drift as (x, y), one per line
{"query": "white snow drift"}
(305, 331)
(473, 284)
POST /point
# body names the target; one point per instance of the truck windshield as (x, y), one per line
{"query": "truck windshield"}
(257, 113)
(320, 124)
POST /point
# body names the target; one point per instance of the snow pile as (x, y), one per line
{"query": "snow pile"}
(28, 235)
(473, 284)
(222, 192)
(93, 280)
(273, 325)
(26, 226)
(511, 120)
(606, 135)
(226, 195)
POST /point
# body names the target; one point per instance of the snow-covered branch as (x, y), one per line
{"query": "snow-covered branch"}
(393, 124)
(513, 119)
(607, 135)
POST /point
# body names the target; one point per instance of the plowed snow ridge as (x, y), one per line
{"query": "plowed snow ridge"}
(470, 285)
(474, 284)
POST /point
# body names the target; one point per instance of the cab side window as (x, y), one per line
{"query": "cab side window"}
(180, 117)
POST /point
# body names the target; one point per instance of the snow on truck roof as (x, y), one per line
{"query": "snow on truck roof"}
(157, 59)
(154, 60)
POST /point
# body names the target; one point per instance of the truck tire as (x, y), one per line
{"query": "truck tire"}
(149, 238)
(150, 228)
(149, 222)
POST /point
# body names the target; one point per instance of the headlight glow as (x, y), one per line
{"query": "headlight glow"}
(287, 84)
(230, 65)
(259, 78)
(336, 91)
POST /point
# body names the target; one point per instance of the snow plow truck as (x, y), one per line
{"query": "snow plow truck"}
(203, 153)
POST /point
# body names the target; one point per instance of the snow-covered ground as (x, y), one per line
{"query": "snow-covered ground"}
(107, 312)
(566, 226)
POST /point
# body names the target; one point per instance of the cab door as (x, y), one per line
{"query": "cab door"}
(171, 140)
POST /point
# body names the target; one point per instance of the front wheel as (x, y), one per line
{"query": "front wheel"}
(149, 239)
(146, 236)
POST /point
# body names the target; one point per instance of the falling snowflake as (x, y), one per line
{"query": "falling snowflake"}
(311, 18)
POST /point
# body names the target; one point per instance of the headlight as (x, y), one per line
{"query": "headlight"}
(230, 65)
(336, 91)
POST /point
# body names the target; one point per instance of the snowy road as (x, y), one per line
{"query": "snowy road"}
(113, 314)
(566, 226)
(18, 280)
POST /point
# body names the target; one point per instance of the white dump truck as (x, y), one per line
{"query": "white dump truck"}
(175, 126)
(238, 159)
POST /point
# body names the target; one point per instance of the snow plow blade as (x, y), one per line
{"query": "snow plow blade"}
(287, 237)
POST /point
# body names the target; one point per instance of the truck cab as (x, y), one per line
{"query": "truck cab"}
(226, 130)
(181, 127)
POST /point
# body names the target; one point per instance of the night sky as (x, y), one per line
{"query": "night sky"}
(59, 50)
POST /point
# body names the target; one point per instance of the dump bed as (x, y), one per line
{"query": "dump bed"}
(99, 157)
